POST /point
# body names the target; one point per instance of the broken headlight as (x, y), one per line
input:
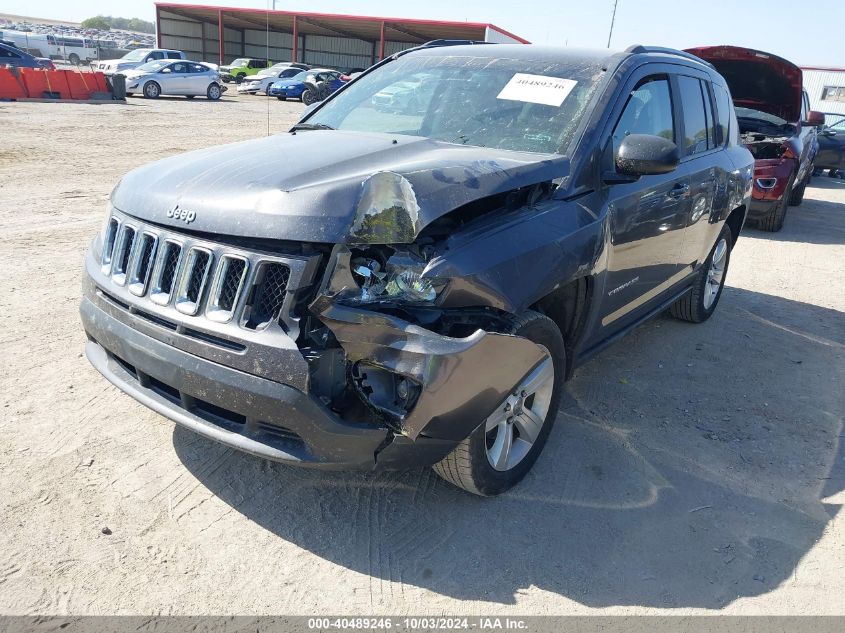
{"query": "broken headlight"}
(399, 279)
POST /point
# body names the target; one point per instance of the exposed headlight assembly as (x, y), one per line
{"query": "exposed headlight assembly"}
(401, 280)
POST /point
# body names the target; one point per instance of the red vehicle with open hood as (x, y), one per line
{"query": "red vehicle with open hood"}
(775, 124)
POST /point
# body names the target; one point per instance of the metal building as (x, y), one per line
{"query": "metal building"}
(826, 88)
(219, 35)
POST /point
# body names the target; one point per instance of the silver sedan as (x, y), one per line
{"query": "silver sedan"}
(174, 77)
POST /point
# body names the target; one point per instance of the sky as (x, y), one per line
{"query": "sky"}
(787, 28)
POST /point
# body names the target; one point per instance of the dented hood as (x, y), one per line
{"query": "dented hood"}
(757, 80)
(326, 186)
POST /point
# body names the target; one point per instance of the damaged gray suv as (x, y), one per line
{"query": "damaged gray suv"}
(406, 286)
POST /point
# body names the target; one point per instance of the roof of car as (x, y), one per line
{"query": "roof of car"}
(533, 52)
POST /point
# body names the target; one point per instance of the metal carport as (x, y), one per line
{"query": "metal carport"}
(220, 34)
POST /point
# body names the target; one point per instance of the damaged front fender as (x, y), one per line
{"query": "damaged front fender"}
(461, 380)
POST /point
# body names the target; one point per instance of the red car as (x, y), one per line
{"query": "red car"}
(775, 124)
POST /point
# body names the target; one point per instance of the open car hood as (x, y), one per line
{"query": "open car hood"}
(326, 186)
(757, 80)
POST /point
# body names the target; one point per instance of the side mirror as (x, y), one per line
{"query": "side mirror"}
(814, 119)
(645, 154)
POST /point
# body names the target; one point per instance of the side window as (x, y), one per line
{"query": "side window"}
(648, 111)
(180, 68)
(197, 68)
(695, 119)
(723, 112)
(173, 55)
(155, 55)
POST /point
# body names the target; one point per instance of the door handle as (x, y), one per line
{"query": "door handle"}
(678, 191)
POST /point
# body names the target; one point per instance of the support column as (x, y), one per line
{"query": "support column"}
(158, 30)
(381, 43)
(220, 35)
(295, 47)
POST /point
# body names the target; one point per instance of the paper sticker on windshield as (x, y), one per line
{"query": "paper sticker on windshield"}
(537, 89)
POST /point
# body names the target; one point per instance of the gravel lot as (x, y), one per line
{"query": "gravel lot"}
(693, 468)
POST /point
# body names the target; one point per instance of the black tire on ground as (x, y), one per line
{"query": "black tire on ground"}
(773, 222)
(281, 98)
(73, 58)
(213, 92)
(308, 97)
(691, 307)
(152, 90)
(467, 466)
(239, 78)
(797, 196)
(190, 96)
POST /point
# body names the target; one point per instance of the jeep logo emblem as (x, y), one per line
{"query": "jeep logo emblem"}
(178, 213)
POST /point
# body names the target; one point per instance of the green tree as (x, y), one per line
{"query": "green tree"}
(97, 22)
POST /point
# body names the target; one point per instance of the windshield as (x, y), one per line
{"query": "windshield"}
(137, 55)
(151, 67)
(239, 62)
(523, 105)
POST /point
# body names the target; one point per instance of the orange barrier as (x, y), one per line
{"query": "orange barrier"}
(11, 85)
(36, 83)
(45, 84)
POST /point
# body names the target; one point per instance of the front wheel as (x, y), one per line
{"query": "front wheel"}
(73, 58)
(503, 448)
(699, 303)
(213, 92)
(309, 97)
(239, 78)
(152, 90)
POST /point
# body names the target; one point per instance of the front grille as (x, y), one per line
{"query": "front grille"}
(186, 276)
(121, 254)
(165, 272)
(140, 263)
(269, 296)
(192, 282)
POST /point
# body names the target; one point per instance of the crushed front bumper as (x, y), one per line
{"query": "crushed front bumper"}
(462, 381)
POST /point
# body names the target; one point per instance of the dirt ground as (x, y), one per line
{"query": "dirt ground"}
(693, 468)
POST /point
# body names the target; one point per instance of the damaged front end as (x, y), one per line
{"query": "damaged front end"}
(380, 348)
(392, 357)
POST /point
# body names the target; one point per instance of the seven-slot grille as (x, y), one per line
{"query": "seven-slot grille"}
(195, 279)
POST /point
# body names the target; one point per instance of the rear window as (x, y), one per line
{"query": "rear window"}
(695, 119)
(723, 113)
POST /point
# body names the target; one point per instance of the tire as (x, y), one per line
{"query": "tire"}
(152, 90)
(470, 465)
(797, 195)
(774, 221)
(73, 58)
(700, 303)
(309, 97)
(190, 96)
(213, 92)
(281, 98)
(239, 78)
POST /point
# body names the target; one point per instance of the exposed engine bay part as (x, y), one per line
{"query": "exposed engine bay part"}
(459, 380)
(762, 146)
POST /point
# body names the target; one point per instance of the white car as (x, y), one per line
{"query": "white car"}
(136, 58)
(262, 80)
(166, 77)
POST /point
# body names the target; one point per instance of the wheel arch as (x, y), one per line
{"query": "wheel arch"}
(568, 306)
(735, 221)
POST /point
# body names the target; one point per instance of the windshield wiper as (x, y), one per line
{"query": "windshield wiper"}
(311, 126)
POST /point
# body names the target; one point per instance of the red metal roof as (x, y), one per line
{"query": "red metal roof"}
(357, 26)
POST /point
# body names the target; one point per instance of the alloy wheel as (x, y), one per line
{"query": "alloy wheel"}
(515, 425)
(716, 273)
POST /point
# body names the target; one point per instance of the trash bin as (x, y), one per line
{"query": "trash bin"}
(118, 86)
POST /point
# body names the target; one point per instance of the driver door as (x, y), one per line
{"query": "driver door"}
(648, 217)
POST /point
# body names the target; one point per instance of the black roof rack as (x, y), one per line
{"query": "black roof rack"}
(639, 48)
